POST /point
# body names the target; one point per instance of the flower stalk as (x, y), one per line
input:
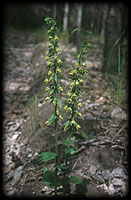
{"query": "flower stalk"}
(73, 104)
(53, 64)
(77, 76)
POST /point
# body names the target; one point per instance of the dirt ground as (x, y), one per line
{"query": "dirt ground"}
(101, 160)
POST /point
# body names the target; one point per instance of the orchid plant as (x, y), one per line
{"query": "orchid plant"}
(53, 179)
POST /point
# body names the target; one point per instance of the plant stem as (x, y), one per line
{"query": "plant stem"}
(56, 133)
(56, 151)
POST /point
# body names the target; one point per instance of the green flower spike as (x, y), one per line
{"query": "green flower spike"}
(77, 76)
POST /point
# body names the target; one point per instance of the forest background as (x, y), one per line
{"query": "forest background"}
(76, 22)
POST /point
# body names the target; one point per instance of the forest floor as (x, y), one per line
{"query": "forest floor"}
(101, 159)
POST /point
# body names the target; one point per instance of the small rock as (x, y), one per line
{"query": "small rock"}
(93, 170)
(17, 174)
(100, 100)
(48, 193)
(105, 187)
(7, 160)
(79, 172)
(106, 174)
(40, 104)
(89, 116)
(15, 136)
(29, 155)
(11, 192)
(9, 176)
(118, 172)
(36, 154)
(111, 190)
(19, 168)
(13, 128)
(118, 190)
(119, 114)
(44, 189)
(124, 188)
(22, 144)
(10, 123)
(99, 178)
(117, 182)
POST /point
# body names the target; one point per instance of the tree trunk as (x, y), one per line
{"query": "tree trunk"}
(54, 11)
(112, 34)
(79, 19)
(104, 15)
(65, 19)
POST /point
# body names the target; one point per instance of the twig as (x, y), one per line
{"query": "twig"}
(22, 185)
(40, 173)
(27, 163)
(119, 132)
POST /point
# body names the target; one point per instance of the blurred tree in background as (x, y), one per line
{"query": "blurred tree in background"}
(115, 32)
(21, 15)
(109, 21)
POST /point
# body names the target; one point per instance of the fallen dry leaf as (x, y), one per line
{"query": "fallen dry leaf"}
(101, 100)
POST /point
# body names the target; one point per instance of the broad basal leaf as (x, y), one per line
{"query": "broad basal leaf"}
(50, 179)
(45, 156)
(75, 180)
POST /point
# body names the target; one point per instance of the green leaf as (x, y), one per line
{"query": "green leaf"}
(68, 141)
(50, 179)
(36, 100)
(48, 176)
(59, 102)
(75, 180)
(45, 156)
(55, 77)
(49, 184)
(89, 32)
(51, 119)
(67, 123)
(74, 30)
(78, 56)
(52, 91)
(84, 135)
(71, 150)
